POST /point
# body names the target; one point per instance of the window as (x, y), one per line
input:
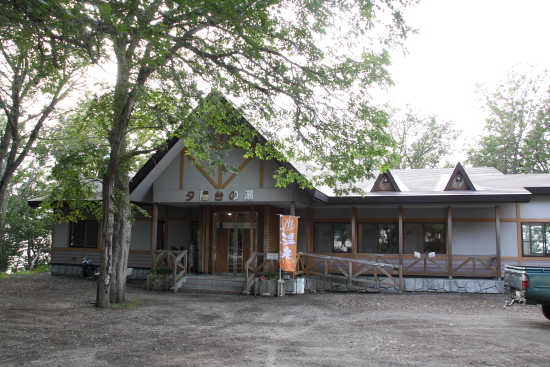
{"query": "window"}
(332, 238)
(84, 234)
(424, 237)
(379, 238)
(536, 239)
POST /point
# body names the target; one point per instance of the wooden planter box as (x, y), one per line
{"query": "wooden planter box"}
(158, 283)
(271, 288)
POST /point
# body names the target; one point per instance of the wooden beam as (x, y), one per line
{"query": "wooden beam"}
(154, 229)
(497, 230)
(182, 167)
(519, 234)
(353, 231)
(309, 230)
(252, 242)
(206, 238)
(401, 236)
(261, 174)
(449, 242)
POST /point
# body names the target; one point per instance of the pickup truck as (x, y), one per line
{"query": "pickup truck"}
(529, 285)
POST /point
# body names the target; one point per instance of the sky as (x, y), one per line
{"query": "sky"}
(463, 43)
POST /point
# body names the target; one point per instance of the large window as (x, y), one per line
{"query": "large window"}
(379, 238)
(332, 238)
(536, 239)
(424, 237)
(84, 234)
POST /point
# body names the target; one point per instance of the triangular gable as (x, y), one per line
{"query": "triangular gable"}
(459, 180)
(385, 182)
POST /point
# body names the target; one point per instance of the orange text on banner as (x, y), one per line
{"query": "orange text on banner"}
(288, 236)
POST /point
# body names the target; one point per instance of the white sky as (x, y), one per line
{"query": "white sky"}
(461, 43)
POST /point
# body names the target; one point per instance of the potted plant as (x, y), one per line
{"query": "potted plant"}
(159, 279)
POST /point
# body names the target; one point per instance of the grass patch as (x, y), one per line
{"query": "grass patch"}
(128, 304)
(39, 269)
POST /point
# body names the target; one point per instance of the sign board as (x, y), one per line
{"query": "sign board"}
(273, 256)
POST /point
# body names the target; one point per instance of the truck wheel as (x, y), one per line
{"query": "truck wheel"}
(546, 311)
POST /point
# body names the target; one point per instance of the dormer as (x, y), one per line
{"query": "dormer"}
(385, 182)
(459, 180)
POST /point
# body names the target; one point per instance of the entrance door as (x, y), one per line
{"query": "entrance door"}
(235, 251)
(231, 242)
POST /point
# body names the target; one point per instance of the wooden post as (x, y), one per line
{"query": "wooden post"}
(309, 230)
(449, 243)
(293, 208)
(519, 235)
(354, 232)
(154, 229)
(497, 230)
(252, 242)
(401, 236)
(206, 238)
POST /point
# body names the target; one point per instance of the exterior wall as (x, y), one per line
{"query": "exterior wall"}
(141, 235)
(539, 207)
(474, 238)
(509, 239)
(61, 235)
(377, 213)
(177, 233)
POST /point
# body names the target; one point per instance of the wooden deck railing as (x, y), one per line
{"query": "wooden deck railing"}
(330, 266)
(475, 262)
(174, 260)
(426, 259)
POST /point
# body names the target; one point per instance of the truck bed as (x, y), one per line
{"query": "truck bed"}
(538, 289)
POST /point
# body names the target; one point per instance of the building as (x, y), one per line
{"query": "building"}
(461, 222)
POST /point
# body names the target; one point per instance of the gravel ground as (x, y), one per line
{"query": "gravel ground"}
(48, 321)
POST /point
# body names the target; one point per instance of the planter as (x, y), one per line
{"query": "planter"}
(158, 283)
(271, 288)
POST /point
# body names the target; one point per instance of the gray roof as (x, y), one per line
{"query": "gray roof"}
(428, 186)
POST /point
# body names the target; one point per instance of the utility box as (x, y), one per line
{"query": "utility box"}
(294, 286)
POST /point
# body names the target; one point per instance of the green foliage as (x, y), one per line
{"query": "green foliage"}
(161, 272)
(27, 231)
(300, 73)
(309, 98)
(422, 141)
(39, 269)
(516, 127)
(269, 275)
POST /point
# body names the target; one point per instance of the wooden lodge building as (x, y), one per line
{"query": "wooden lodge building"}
(461, 222)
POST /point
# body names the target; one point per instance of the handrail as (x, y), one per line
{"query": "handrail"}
(174, 260)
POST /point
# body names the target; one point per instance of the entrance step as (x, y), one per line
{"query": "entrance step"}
(211, 284)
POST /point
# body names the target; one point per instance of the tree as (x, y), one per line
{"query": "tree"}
(33, 82)
(421, 141)
(515, 126)
(266, 54)
(28, 230)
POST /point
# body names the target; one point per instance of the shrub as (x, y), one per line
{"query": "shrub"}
(161, 272)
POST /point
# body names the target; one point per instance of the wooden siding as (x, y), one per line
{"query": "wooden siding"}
(139, 260)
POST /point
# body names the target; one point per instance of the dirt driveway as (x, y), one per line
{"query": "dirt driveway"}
(48, 321)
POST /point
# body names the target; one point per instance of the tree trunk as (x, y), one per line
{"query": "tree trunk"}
(3, 214)
(121, 237)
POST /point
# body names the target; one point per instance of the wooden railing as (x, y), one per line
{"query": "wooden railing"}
(476, 261)
(252, 269)
(330, 266)
(351, 269)
(174, 260)
(426, 259)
